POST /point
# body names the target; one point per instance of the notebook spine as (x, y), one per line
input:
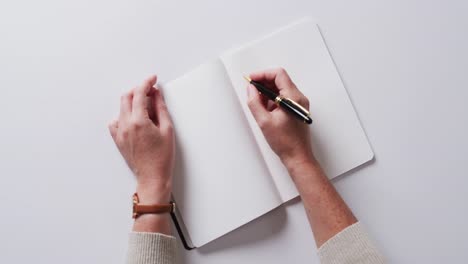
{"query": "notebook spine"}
(177, 225)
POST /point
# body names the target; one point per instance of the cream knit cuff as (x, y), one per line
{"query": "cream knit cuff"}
(145, 248)
(351, 245)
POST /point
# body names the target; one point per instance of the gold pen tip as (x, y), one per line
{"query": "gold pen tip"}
(247, 78)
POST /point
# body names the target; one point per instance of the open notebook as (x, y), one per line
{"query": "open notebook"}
(226, 174)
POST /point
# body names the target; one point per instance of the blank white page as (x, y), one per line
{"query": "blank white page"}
(339, 142)
(221, 181)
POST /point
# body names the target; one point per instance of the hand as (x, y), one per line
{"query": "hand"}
(145, 138)
(287, 136)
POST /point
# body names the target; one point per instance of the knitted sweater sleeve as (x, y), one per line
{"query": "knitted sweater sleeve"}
(351, 245)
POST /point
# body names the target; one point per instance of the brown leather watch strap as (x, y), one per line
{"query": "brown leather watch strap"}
(139, 209)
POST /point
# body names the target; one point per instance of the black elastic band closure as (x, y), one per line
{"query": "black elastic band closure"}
(179, 231)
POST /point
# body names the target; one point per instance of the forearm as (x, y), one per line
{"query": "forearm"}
(328, 214)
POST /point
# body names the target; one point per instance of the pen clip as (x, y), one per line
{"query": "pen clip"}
(299, 106)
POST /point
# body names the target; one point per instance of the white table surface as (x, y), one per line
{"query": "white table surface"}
(65, 191)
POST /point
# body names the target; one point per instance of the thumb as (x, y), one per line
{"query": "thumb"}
(256, 106)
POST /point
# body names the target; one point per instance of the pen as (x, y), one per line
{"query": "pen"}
(289, 105)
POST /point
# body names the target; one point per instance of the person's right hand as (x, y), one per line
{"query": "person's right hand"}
(287, 136)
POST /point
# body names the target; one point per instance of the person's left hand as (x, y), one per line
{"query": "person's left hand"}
(144, 136)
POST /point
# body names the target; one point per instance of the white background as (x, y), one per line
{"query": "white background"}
(65, 191)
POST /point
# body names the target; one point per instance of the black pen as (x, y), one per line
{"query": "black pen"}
(294, 108)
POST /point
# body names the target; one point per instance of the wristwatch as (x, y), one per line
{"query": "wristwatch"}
(139, 209)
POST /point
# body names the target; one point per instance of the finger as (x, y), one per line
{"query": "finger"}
(113, 126)
(139, 107)
(162, 113)
(256, 105)
(263, 99)
(126, 105)
(278, 76)
(150, 106)
(271, 105)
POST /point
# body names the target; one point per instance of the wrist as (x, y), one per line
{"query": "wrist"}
(153, 223)
(154, 193)
(305, 168)
(294, 161)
